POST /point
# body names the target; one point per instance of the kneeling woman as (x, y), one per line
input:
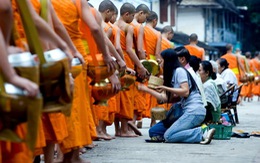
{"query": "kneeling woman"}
(179, 83)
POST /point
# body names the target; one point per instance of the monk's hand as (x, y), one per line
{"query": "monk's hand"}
(80, 57)
(14, 50)
(110, 62)
(122, 65)
(142, 72)
(31, 88)
(116, 85)
(66, 50)
(130, 71)
(159, 60)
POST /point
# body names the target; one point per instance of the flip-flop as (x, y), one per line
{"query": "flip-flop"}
(154, 141)
(240, 135)
(135, 129)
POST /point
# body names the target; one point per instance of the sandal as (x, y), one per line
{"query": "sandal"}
(155, 139)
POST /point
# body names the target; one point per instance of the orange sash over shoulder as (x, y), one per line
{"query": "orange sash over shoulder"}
(78, 131)
(166, 44)
(232, 60)
(195, 51)
(151, 36)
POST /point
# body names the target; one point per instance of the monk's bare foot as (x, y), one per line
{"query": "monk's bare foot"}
(91, 146)
(104, 136)
(139, 124)
(109, 136)
(134, 128)
(74, 157)
(82, 151)
(118, 133)
(129, 134)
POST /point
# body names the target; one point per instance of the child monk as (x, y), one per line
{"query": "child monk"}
(126, 101)
(167, 35)
(142, 11)
(153, 49)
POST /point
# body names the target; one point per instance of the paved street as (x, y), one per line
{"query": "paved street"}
(135, 150)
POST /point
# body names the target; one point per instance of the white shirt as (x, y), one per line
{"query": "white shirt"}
(230, 78)
(198, 81)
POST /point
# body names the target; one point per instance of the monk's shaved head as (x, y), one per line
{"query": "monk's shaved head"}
(166, 29)
(106, 5)
(193, 37)
(152, 16)
(127, 7)
(143, 7)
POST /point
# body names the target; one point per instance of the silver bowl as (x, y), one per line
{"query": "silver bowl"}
(13, 90)
(24, 59)
(54, 55)
(75, 62)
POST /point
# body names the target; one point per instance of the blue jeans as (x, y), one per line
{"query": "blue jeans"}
(183, 130)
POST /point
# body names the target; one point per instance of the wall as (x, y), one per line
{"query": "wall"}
(191, 20)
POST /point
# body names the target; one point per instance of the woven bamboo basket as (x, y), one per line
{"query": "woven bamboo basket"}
(158, 113)
(154, 81)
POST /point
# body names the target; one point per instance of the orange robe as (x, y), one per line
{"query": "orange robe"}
(233, 63)
(140, 97)
(54, 124)
(247, 88)
(256, 87)
(150, 40)
(166, 44)
(78, 131)
(195, 51)
(16, 152)
(125, 99)
(101, 112)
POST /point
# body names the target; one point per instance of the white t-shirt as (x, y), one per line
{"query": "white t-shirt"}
(230, 78)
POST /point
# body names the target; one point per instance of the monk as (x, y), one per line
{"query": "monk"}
(32, 89)
(167, 35)
(106, 113)
(152, 43)
(126, 101)
(9, 150)
(54, 124)
(153, 38)
(142, 11)
(256, 64)
(194, 49)
(70, 12)
(246, 92)
(234, 62)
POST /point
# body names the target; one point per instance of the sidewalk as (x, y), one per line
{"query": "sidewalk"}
(136, 150)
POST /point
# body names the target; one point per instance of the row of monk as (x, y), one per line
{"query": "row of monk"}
(113, 54)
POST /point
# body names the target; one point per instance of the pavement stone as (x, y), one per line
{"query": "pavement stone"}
(136, 150)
